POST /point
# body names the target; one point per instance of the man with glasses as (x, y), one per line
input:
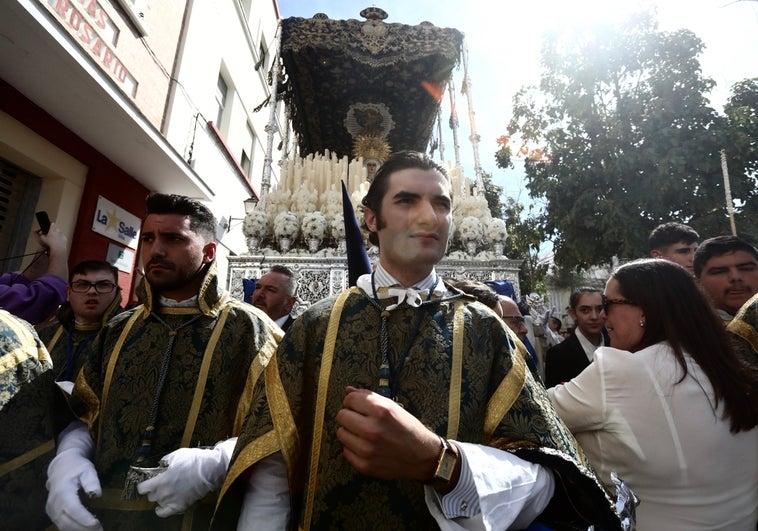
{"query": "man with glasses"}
(93, 298)
(570, 357)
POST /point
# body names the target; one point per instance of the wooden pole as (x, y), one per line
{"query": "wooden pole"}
(728, 192)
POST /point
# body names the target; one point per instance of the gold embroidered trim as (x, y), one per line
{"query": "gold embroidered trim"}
(281, 414)
(265, 354)
(323, 387)
(112, 363)
(745, 331)
(263, 446)
(26, 457)
(55, 338)
(456, 372)
(508, 390)
(111, 500)
(202, 379)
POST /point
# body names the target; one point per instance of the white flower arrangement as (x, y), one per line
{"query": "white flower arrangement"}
(304, 200)
(337, 226)
(331, 203)
(286, 225)
(494, 231)
(314, 225)
(470, 229)
(255, 225)
(277, 201)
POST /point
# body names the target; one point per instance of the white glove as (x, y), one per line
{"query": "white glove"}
(68, 472)
(191, 474)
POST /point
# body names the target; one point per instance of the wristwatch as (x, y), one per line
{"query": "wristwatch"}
(445, 463)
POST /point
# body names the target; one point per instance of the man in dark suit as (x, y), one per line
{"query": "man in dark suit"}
(570, 357)
(275, 294)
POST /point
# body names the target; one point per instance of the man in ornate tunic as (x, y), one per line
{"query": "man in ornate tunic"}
(401, 404)
(23, 362)
(743, 332)
(93, 297)
(164, 388)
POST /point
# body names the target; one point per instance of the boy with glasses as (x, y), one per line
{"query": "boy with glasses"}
(570, 357)
(36, 414)
(93, 298)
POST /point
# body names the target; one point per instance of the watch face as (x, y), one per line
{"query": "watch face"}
(446, 467)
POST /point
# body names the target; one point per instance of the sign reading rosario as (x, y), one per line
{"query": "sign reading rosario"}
(116, 223)
(88, 22)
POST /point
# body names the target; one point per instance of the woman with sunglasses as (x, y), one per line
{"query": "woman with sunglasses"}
(669, 407)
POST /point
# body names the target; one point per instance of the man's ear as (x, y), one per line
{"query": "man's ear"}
(655, 253)
(209, 252)
(369, 217)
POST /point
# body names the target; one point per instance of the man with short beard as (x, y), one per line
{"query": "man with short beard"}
(163, 389)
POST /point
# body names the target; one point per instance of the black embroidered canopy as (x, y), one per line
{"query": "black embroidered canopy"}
(346, 79)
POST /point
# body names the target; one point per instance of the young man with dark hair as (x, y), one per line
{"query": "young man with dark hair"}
(675, 242)
(402, 404)
(275, 294)
(727, 269)
(93, 298)
(572, 355)
(163, 388)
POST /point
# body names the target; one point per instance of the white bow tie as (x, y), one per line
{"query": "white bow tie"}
(412, 296)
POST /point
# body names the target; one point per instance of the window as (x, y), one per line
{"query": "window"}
(246, 160)
(262, 55)
(222, 90)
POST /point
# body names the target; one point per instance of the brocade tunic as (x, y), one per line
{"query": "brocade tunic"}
(220, 349)
(479, 392)
(26, 429)
(744, 333)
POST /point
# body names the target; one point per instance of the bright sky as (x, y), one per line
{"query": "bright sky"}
(504, 41)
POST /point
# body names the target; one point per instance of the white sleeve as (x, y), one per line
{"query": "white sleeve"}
(266, 505)
(511, 498)
(581, 402)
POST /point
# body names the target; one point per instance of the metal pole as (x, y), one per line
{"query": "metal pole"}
(271, 127)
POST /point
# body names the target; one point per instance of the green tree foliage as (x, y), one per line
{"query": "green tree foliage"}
(524, 235)
(618, 138)
(742, 150)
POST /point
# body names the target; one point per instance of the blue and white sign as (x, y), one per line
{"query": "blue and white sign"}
(116, 223)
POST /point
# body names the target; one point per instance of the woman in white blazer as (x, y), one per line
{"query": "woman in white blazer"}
(669, 407)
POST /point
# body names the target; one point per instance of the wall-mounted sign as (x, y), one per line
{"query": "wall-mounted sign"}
(116, 223)
(96, 32)
(122, 259)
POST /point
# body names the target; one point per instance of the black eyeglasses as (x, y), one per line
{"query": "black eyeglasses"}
(607, 303)
(515, 319)
(101, 286)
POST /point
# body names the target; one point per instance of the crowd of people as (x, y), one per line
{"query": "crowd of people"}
(407, 401)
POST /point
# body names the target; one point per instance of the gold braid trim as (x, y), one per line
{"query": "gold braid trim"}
(266, 354)
(112, 362)
(55, 338)
(288, 440)
(508, 390)
(26, 457)
(323, 387)
(261, 447)
(202, 378)
(456, 372)
(745, 331)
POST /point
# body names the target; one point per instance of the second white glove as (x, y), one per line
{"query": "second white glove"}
(69, 472)
(191, 474)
